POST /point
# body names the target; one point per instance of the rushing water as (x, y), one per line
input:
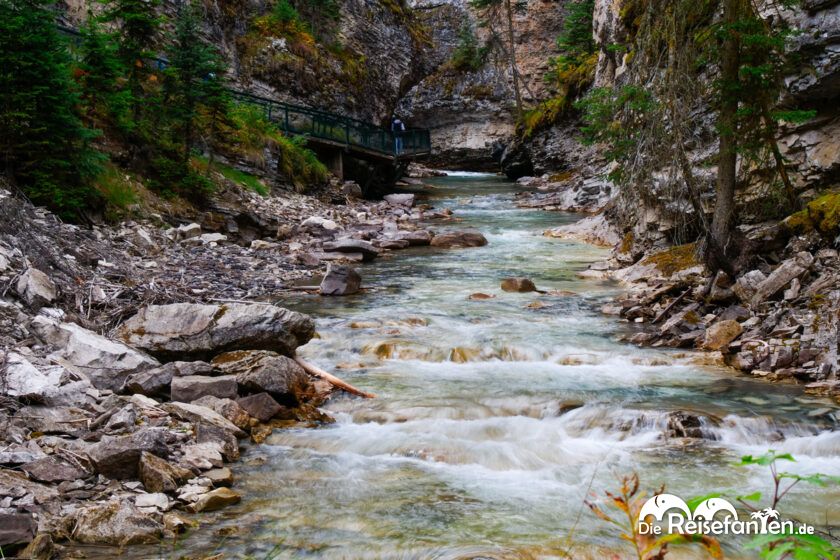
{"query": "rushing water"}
(473, 446)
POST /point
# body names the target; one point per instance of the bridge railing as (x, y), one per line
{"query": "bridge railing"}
(336, 128)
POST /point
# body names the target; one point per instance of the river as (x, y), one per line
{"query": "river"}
(496, 418)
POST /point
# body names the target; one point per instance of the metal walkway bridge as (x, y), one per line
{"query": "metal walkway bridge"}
(355, 136)
(324, 129)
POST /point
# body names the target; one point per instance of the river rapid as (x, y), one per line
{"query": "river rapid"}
(495, 419)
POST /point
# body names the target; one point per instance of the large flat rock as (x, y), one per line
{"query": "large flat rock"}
(194, 331)
(107, 363)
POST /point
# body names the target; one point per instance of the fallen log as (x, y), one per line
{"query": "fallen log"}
(318, 372)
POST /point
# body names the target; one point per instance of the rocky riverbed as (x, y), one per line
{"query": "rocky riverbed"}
(136, 358)
(779, 320)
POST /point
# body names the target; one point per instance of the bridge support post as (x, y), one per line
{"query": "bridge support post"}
(334, 160)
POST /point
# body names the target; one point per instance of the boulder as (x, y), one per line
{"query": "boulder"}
(453, 239)
(353, 246)
(319, 222)
(227, 408)
(747, 284)
(782, 276)
(158, 475)
(195, 331)
(157, 381)
(682, 424)
(340, 280)
(16, 485)
(17, 529)
(117, 523)
(393, 244)
(401, 199)
(208, 238)
(53, 469)
(203, 456)
(53, 419)
(520, 284)
(198, 414)
(188, 231)
(193, 387)
(119, 457)
(141, 239)
(220, 477)
(215, 499)
(36, 288)
(263, 245)
(414, 238)
(156, 500)
(267, 372)
(22, 379)
(720, 334)
(261, 406)
(225, 439)
(105, 362)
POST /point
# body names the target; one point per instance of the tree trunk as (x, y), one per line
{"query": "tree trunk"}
(512, 54)
(720, 246)
(770, 137)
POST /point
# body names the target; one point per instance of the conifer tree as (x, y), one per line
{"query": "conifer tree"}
(43, 143)
(194, 79)
(138, 28)
(101, 73)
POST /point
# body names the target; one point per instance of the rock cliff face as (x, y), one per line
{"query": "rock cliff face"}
(471, 112)
(359, 63)
(811, 149)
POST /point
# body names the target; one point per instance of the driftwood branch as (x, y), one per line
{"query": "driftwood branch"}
(318, 372)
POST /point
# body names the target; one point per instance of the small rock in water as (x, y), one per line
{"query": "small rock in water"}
(480, 296)
(340, 280)
(453, 239)
(519, 284)
(215, 499)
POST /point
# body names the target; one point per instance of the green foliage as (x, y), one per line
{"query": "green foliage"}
(789, 545)
(543, 115)
(194, 79)
(468, 56)
(284, 12)
(246, 180)
(116, 189)
(254, 134)
(571, 72)
(576, 40)
(138, 26)
(610, 115)
(44, 145)
(100, 75)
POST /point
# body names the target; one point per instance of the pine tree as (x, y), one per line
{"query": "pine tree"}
(194, 79)
(44, 145)
(576, 40)
(101, 72)
(139, 26)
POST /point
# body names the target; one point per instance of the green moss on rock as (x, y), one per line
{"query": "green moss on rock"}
(674, 259)
(821, 214)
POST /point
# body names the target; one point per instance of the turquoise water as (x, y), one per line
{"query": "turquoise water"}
(465, 453)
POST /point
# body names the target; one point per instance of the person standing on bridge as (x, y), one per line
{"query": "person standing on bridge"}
(398, 129)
